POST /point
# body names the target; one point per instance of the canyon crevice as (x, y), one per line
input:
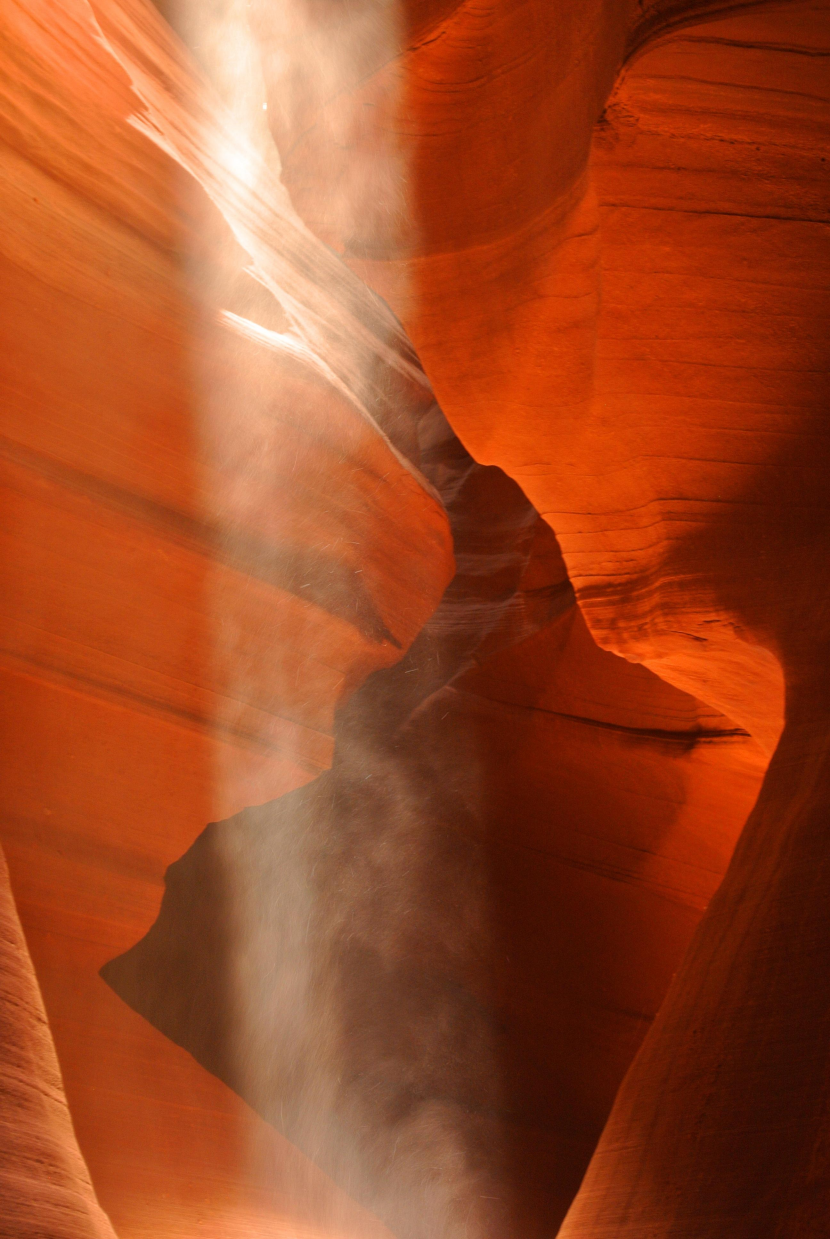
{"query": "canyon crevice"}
(416, 629)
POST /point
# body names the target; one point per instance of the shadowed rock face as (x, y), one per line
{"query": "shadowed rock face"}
(387, 963)
(44, 1184)
(473, 943)
(207, 545)
(651, 366)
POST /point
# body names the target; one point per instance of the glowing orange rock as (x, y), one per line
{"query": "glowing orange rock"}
(625, 312)
(210, 543)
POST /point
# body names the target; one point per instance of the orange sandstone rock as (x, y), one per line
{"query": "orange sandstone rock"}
(208, 545)
(623, 308)
(44, 1183)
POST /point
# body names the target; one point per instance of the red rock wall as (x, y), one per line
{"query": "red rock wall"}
(641, 343)
(616, 280)
(171, 651)
(44, 1184)
(653, 371)
(735, 234)
(467, 874)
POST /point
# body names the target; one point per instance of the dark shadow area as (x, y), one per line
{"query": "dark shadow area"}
(330, 955)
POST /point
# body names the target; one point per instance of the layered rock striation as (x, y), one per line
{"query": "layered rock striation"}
(503, 680)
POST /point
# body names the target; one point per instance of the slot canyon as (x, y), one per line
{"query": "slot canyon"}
(416, 641)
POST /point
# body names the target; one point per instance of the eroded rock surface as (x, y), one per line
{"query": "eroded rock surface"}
(44, 1183)
(230, 565)
(209, 543)
(413, 966)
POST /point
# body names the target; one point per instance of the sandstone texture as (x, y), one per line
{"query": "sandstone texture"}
(44, 1183)
(415, 458)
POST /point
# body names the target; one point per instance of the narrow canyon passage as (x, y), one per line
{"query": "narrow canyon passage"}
(415, 643)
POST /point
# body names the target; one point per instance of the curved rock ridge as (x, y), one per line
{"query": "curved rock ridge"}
(242, 473)
(655, 376)
(44, 1183)
(639, 340)
(528, 931)
(209, 545)
(444, 906)
(348, 333)
(724, 1114)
